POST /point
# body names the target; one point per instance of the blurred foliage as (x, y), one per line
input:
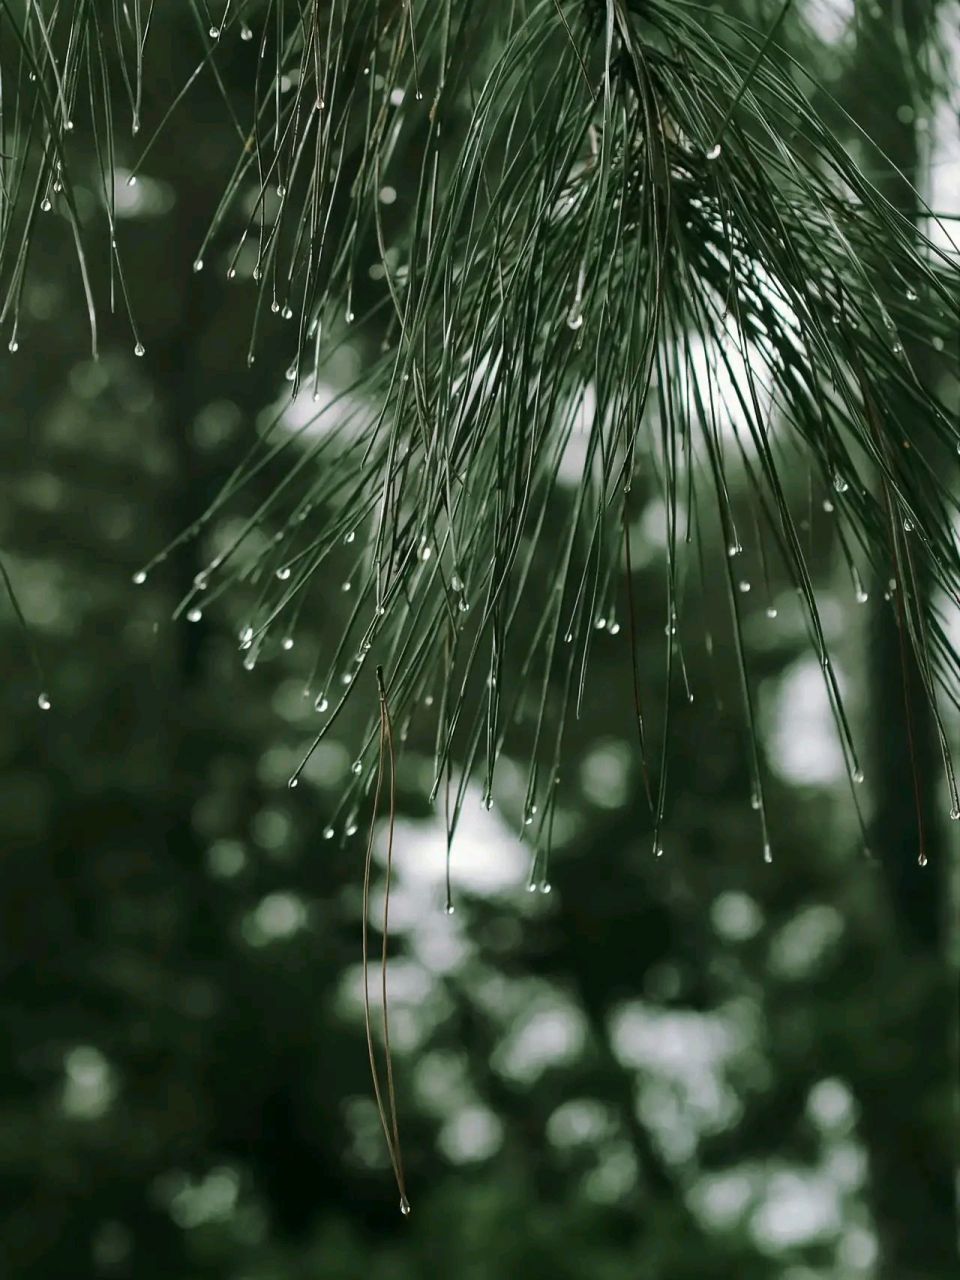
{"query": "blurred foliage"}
(684, 1067)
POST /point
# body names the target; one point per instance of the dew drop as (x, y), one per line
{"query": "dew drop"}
(232, 273)
(405, 1206)
(531, 888)
(283, 573)
(322, 703)
(546, 887)
(714, 152)
(287, 643)
(194, 614)
(200, 581)
(450, 909)
(827, 505)
(771, 611)
(744, 587)
(139, 349)
(43, 702)
(767, 853)
(356, 768)
(346, 586)
(456, 584)
(350, 537)
(246, 33)
(463, 607)
(294, 782)
(614, 628)
(346, 678)
(198, 265)
(839, 483)
(755, 801)
(857, 775)
(922, 860)
(13, 345)
(350, 317)
(911, 295)
(908, 525)
(955, 814)
(287, 313)
(214, 33)
(351, 828)
(574, 318)
(45, 204)
(328, 833)
(139, 578)
(734, 549)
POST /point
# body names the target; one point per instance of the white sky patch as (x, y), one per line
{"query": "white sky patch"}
(830, 19)
(802, 739)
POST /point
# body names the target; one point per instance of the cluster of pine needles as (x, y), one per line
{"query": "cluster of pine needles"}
(612, 244)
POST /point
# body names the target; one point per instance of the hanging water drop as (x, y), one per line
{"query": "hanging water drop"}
(405, 1206)
(767, 853)
(287, 313)
(139, 578)
(283, 573)
(322, 703)
(287, 643)
(734, 549)
(328, 833)
(456, 584)
(546, 887)
(922, 860)
(955, 814)
(346, 586)
(294, 782)
(857, 775)
(45, 204)
(43, 702)
(214, 33)
(351, 828)
(574, 318)
(198, 265)
(246, 33)
(450, 909)
(246, 637)
(755, 800)
(839, 483)
(771, 611)
(715, 151)
(908, 525)
(200, 581)
(356, 768)
(194, 614)
(139, 349)
(744, 587)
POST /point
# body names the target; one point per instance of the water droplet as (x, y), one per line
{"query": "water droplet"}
(937, 343)
(198, 265)
(425, 553)
(857, 774)
(214, 33)
(767, 853)
(755, 801)
(246, 637)
(139, 578)
(281, 190)
(250, 662)
(531, 887)
(283, 573)
(194, 614)
(922, 860)
(911, 295)
(839, 483)
(862, 596)
(744, 587)
(294, 782)
(351, 828)
(45, 204)
(139, 349)
(322, 703)
(13, 345)
(463, 607)
(346, 678)
(246, 33)
(955, 814)
(356, 767)
(613, 628)
(328, 833)
(771, 611)
(450, 909)
(827, 505)
(350, 317)
(200, 581)
(714, 152)
(456, 584)
(546, 887)
(734, 549)
(232, 273)
(405, 1206)
(908, 525)
(287, 643)
(346, 586)
(574, 318)
(287, 313)
(43, 702)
